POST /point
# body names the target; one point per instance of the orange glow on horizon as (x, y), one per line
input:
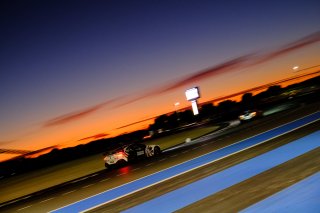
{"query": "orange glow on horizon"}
(80, 133)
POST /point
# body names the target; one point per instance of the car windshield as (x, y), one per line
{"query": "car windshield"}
(111, 152)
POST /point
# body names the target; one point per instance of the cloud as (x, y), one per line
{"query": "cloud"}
(227, 66)
(14, 151)
(134, 123)
(303, 42)
(43, 150)
(29, 154)
(71, 116)
(94, 137)
(266, 86)
(76, 115)
(203, 74)
(235, 64)
(6, 142)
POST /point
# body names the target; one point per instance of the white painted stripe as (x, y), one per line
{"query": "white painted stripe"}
(69, 192)
(24, 208)
(104, 180)
(14, 201)
(93, 175)
(46, 200)
(79, 179)
(87, 186)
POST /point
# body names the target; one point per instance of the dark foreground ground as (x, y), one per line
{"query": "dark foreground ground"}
(241, 195)
(230, 200)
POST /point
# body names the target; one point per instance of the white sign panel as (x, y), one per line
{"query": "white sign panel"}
(192, 94)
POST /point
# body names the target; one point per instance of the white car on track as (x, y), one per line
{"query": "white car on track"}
(249, 115)
(130, 153)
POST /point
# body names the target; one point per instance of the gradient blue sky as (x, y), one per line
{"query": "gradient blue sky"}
(85, 60)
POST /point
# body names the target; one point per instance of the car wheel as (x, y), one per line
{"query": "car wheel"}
(122, 162)
(107, 166)
(132, 157)
(157, 151)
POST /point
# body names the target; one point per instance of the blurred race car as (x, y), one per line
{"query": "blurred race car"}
(249, 115)
(130, 153)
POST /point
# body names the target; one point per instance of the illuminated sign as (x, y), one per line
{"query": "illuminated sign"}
(192, 94)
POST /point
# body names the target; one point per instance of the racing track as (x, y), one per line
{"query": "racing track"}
(102, 181)
(160, 194)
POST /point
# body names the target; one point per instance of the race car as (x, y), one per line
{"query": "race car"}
(130, 153)
(249, 115)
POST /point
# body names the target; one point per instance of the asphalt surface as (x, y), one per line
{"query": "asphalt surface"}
(228, 200)
(241, 195)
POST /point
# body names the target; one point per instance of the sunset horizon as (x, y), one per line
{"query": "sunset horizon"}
(146, 122)
(77, 71)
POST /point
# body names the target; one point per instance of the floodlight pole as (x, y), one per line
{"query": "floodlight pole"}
(194, 105)
(176, 110)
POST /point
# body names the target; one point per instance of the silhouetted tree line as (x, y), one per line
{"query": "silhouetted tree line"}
(225, 110)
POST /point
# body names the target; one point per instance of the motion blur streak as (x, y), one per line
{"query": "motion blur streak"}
(115, 193)
(75, 115)
(205, 187)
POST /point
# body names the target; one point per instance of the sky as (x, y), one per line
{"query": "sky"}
(75, 71)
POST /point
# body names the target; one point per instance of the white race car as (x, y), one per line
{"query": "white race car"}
(130, 153)
(249, 115)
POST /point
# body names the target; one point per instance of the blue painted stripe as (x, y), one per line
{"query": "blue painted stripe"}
(210, 185)
(184, 167)
(303, 196)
